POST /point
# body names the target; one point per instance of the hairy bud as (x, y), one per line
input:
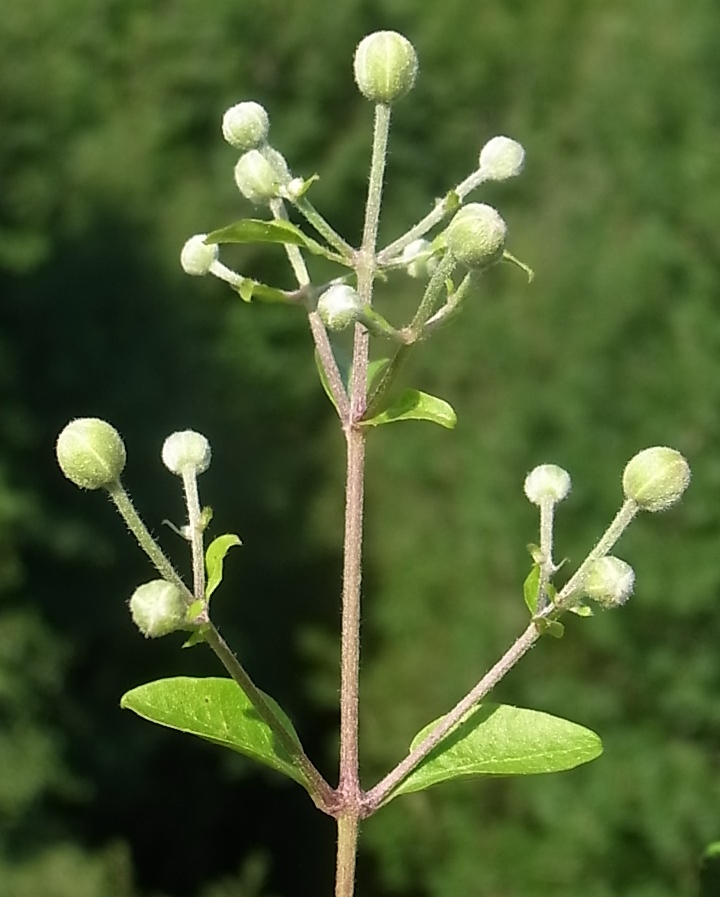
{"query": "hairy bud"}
(158, 608)
(656, 478)
(385, 66)
(261, 175)
(609, 581)
(91, 453)
(245, 126)
(186, 450)
(501, 158)
(547, 482)
(476, 235)
(197, 256)
(339, 306)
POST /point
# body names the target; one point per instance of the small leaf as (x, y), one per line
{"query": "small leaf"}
(497, 739)
(306, 184)
(257, 230)
(550, 627)
(195, 609)
(582, 610)
(451, 203)
(415, 405)
(197, 637)
(535, 552)
(219, 711)
(250, 289)
(531, 589)
(214, 557)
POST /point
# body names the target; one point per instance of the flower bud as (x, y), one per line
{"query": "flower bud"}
(339, 306)
(158, 608)
(197, 256)
(260, 175)
(91, 453)
(385, 66)
(656, 478)
(547, 482)
(418, 259)
(501, 158)
(186, 450)
(476, 236)
(245, 126)
(609, 581)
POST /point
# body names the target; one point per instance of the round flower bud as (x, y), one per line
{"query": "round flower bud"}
(158, 608)
(197, 256)
(186, 450)
(476, 235)
(609, 581)
(260, 175)
(245, 126)
(547, 482)
(339, 306)
(656, 478)
(91, 453)
(385, 66)
(419, 262)
(501, 158)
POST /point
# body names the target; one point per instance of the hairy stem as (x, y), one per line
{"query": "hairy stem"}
(195, 532)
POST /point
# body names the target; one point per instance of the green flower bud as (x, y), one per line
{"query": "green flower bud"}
(656, 478)
(91, 453)
(547, 482)
(339, 306)
(197, 256)
(186, 450)
(385, 66)
(245, 126)
(609, 581)
(476, 236)
(261, 175)
(418, 259)
(501, 158)
(158, 608)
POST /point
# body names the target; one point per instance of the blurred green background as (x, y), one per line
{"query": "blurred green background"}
(110, 156)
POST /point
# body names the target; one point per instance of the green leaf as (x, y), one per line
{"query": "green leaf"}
(306, 184)
(710, 871)
(214, 557)
(582, 610)
(375, 369)
(219, 711)
(531, 589)
(197, 637)
(343, 366)
(497, 739)
(258, 230)
(415, 405)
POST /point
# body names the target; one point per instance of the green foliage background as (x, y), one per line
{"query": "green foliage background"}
(110, 156)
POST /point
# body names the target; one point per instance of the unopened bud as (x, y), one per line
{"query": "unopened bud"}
(261, 175)
(501, 158)
(609, 581)
(91, 453)
(158, 608)
(197, 256)
(186, 450)
(385, 66)
(245, 126)
(339, 306)
(419, 260)
(547, 482)
(656, 478)
(476, 235)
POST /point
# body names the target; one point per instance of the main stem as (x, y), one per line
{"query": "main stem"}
(349, 781)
